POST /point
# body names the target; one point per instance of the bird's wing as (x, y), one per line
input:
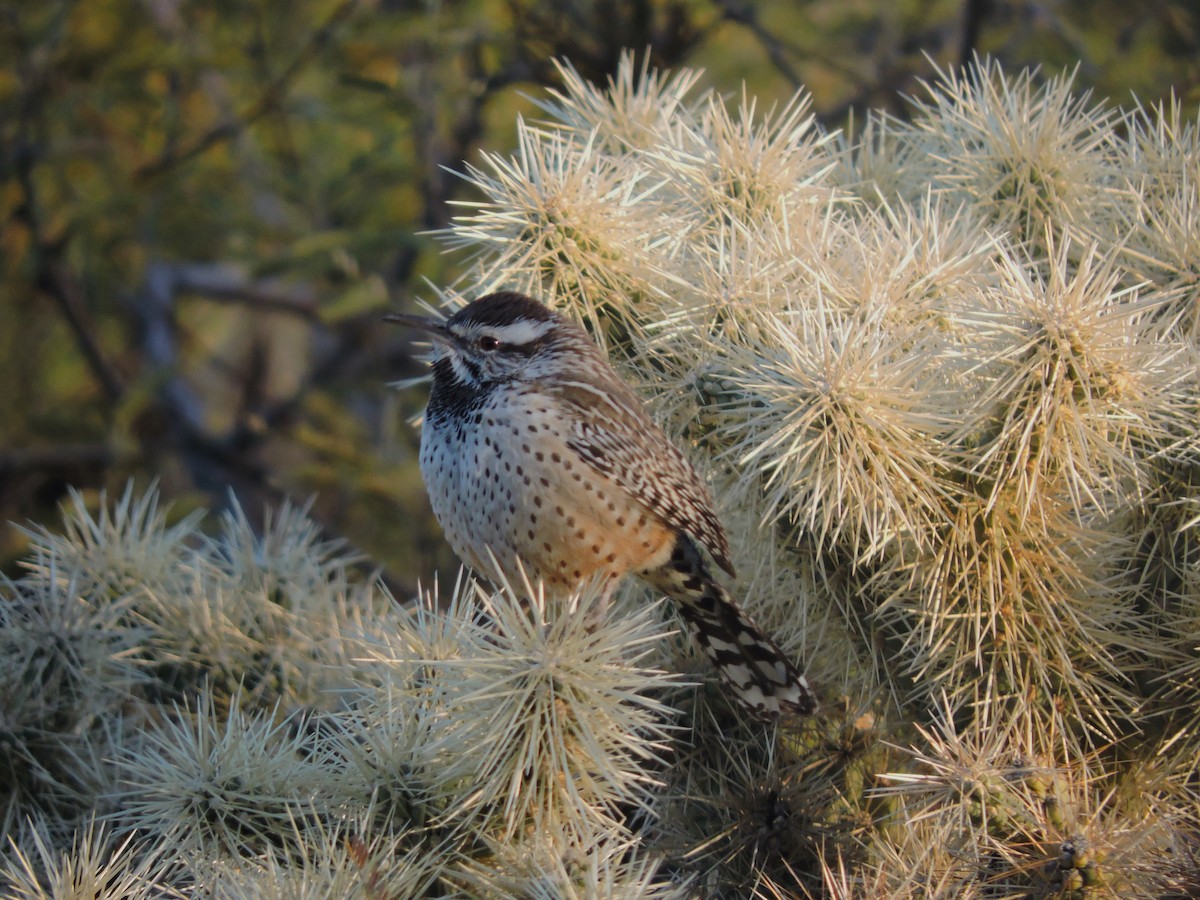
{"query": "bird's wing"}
(613, 435)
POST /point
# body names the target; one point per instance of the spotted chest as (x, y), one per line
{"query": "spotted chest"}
(502, 478)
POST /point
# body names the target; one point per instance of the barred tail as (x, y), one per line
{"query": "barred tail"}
(763, 679)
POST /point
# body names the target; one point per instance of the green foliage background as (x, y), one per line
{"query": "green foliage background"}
(205, 206)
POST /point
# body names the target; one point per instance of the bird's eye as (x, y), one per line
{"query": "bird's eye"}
(488, 342)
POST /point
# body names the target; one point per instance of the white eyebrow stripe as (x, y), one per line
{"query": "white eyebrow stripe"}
(523, 331)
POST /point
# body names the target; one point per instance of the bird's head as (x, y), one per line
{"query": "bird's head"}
(497, 338)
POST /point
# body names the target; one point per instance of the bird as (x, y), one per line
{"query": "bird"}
(542, 464)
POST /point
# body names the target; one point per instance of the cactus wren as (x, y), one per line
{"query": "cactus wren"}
(538, 458)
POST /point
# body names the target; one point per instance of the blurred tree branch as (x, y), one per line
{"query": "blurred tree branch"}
(51, 275)
(60, 456)
(975, 13)
(231, 283)
(268, 101)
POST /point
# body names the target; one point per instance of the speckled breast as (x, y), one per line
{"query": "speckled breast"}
(502, 478)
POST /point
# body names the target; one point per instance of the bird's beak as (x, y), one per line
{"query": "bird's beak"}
(435, 328)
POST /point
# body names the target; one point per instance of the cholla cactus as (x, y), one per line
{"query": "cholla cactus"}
(94, 866)
(944, 378)
(951, 369)
(1032, 159)
(402, 751)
